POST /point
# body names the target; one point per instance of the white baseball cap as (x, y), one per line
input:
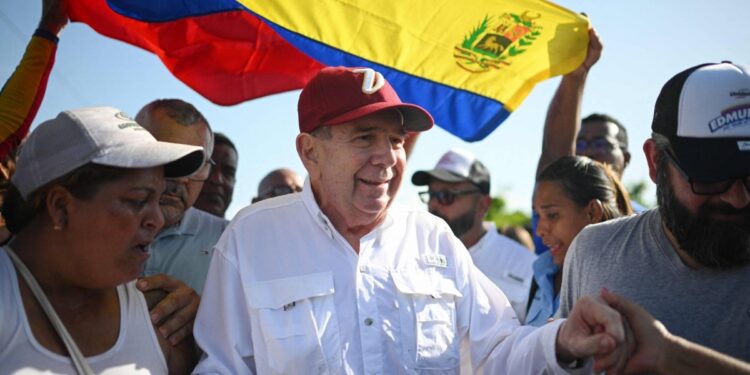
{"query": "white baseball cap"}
(456, 165)
(99, 135)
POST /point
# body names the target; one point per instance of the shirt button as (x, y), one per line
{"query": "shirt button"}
(362, 269)
(368, 322)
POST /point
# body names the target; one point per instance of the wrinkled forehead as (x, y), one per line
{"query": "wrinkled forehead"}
(388, 121)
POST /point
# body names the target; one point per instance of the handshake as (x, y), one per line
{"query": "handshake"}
(624, 338)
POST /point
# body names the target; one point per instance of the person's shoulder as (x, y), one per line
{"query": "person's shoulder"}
(510, 245)
(206, 219)
(614, 226)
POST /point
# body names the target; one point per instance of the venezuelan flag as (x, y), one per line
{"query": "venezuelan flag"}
(470, 63)
(216, 47)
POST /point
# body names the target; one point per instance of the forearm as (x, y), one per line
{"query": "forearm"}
(563, 119)
(23, 92)
(685, 357)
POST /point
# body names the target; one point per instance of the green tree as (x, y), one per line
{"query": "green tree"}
(499, 214)
(637, 190)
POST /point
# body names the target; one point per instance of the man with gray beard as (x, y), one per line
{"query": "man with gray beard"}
(687, 261)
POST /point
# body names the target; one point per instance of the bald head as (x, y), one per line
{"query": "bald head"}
(278, 182)
(173, 120)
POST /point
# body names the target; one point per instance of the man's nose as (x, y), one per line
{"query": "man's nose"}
(385, 154)
(737, 195)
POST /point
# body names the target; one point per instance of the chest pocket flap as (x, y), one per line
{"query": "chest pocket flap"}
(277, 293)
(425, 283)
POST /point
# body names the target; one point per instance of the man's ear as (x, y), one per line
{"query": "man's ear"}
(595, 211)
(307, 149)
(652, 158)
(484, 205)
(58, 201)
(626, 159)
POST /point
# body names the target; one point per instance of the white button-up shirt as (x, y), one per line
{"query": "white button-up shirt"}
(286, 294)
(508, 264)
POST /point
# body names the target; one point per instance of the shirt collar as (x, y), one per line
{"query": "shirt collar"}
(489, 235)
(188, 225)
(320, 218)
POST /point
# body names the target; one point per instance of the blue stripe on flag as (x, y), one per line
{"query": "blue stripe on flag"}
(170, 10)
(469, 116)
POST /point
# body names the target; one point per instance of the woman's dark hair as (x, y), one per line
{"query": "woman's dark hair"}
(583, 179)
(83, 183)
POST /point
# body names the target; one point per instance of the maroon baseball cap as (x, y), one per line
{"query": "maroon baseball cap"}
(339, 94)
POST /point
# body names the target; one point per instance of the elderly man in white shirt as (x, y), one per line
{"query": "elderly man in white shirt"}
(338, 280)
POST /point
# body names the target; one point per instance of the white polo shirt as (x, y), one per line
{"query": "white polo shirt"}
(508, 264)
(287, 294)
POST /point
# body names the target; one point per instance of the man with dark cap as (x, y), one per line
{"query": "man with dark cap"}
(459, 193)
(687, 261)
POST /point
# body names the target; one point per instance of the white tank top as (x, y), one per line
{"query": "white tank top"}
(136, 350)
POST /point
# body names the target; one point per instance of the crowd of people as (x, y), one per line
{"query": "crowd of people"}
(117, 257)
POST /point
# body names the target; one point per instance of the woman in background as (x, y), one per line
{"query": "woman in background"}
(570, 193)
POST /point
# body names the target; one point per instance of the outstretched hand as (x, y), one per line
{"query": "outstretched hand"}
(175, 314)
(594, 329)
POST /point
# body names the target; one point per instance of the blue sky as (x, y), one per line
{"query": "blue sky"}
(645, 43)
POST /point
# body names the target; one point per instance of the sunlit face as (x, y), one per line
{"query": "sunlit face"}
(359, 169)
(463, 213)
(181, 193)
(560, 219)
(602, 145)
(112, 229)
(217, 191)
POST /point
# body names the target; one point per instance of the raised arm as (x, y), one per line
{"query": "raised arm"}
(563, 116)
(22, 94)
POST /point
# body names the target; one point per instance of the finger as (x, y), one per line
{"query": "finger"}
(612, 362)
(171, 303)
(602, 314)
(620, 303)
(180, 334)
(159, 281)
(599, 344)
(174, 323)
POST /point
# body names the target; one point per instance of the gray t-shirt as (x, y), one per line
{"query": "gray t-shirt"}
(633, 257)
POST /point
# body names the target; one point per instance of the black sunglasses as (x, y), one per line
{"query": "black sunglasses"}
(444, 197)
(707, 188)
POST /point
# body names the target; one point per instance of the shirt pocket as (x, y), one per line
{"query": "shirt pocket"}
(427, 308)
(296, 318)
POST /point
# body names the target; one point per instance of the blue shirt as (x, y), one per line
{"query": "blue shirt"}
(184, 251)
(545, 302)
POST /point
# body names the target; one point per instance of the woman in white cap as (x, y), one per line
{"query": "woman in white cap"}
(83, 207)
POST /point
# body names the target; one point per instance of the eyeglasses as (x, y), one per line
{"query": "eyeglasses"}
(203, 173)
(707, 188)
(599, 145)
(444, 197)
(279, 191)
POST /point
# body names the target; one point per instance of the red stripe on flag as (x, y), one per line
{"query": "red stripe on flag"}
(227, 57)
